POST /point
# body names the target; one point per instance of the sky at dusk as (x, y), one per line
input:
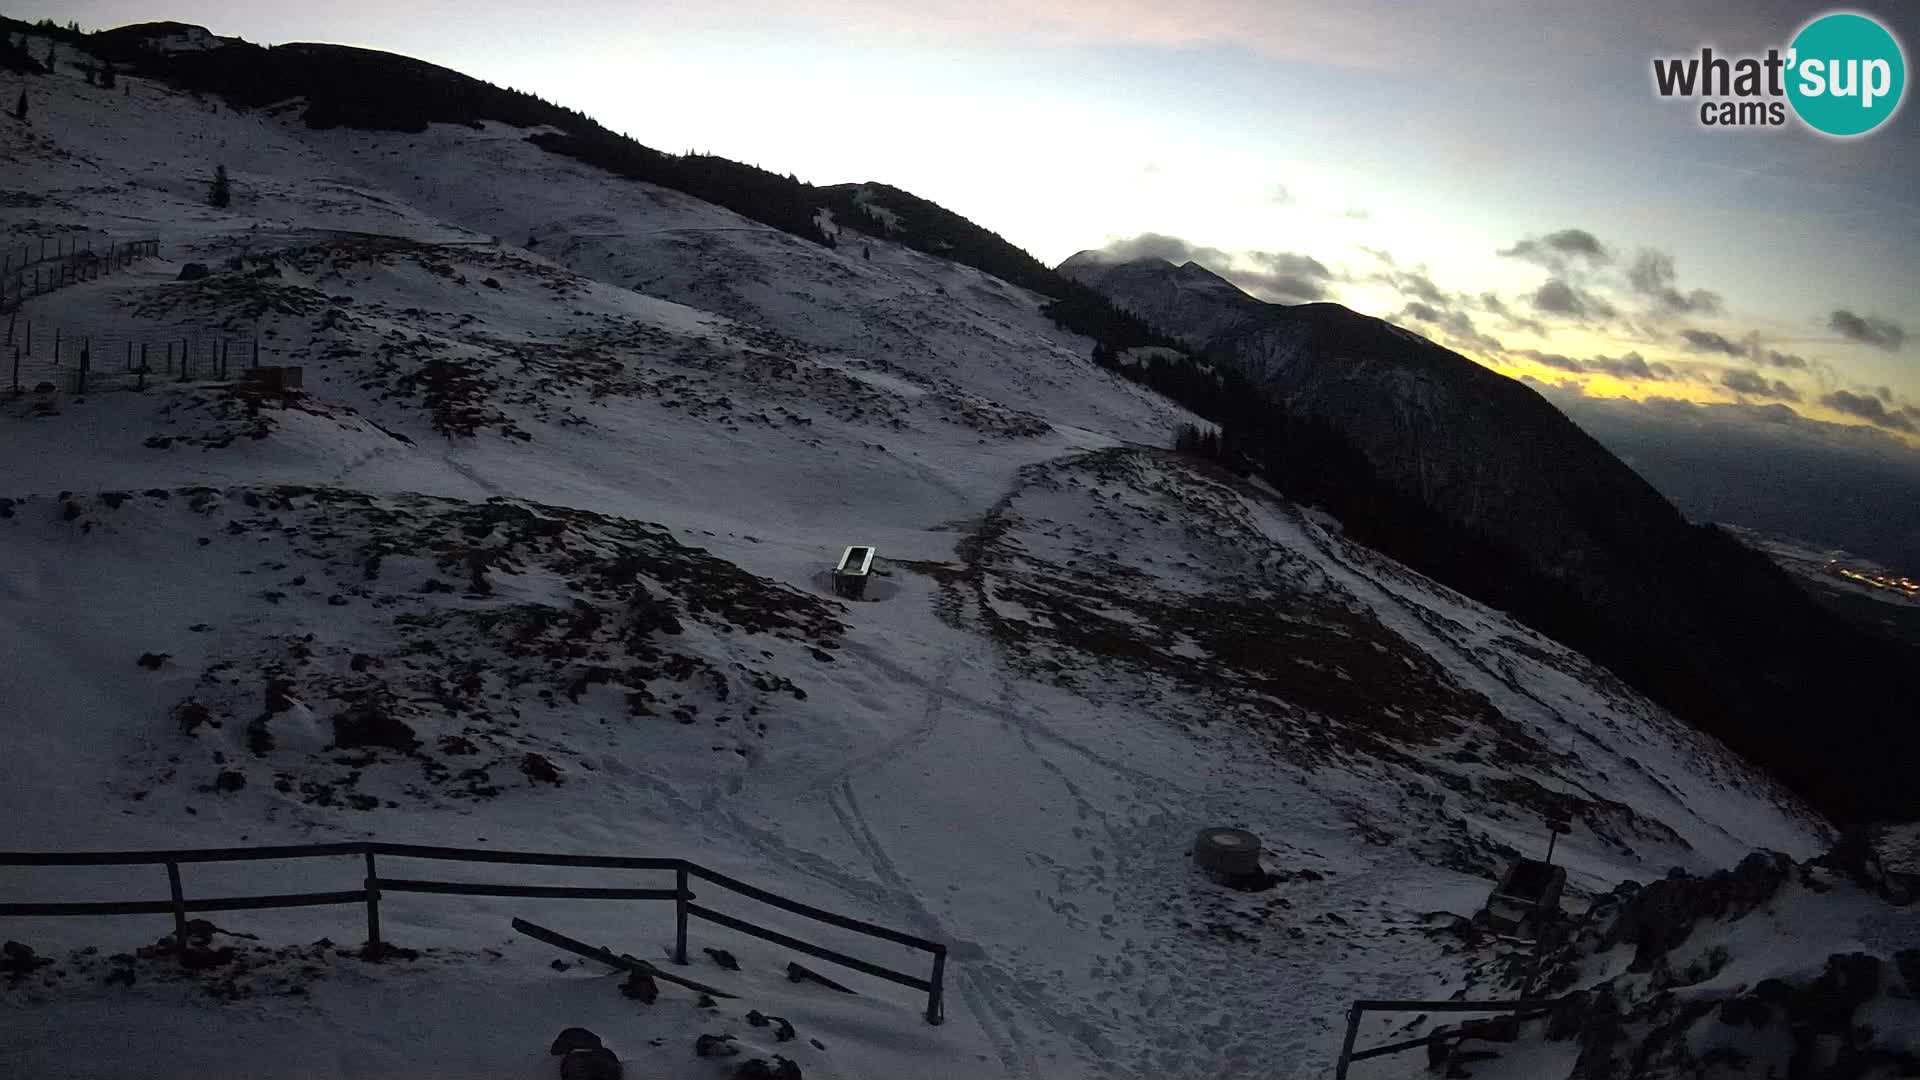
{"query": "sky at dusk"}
(1497, 174)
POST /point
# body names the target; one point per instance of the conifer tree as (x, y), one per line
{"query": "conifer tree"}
(20, 109)
(107, 75)
(220, 195)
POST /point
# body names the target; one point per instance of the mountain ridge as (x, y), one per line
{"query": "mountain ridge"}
(1685, 613)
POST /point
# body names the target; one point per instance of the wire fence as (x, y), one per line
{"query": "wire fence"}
(28, 270)
(46, 357)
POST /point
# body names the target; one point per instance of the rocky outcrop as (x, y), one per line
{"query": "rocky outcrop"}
(1676, 1013)
(1656, 918)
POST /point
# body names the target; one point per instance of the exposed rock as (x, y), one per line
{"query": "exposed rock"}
(574, 1038)
(1828, 1003)
(590, 1063)
(1881, 858)
(193, 271)
(189, 715)
(641, 987)
(367, 723)
(1908, 963)
(1568, 1016)
(707, 1046)
(761, 1069)
(1660, 916)
(723, 958)
(200, 958)
(539, 769)
(17, 959)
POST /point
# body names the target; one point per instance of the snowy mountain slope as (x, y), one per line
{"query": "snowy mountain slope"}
(449, 593)
(1473, 477)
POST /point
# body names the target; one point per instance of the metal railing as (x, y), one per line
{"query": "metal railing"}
(179, 905)
(1525, 1010)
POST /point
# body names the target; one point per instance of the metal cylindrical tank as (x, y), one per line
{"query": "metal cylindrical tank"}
(1227, 853)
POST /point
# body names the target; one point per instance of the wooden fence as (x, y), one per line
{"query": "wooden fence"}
(70, 264)
(179, 904)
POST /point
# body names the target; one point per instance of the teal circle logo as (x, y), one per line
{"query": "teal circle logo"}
(1846, 74)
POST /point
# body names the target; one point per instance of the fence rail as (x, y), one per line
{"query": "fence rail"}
(179, 905)
(1523, 1010)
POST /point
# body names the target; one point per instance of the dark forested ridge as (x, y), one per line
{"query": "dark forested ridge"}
(1588, 553)
(932, 228)
(371, 90)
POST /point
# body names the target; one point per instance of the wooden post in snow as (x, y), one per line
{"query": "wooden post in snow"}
(179, 908)
(681, 895)
(373, 907)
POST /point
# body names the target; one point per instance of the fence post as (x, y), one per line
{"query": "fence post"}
(680, 897)
(373, 907)
(129, 356)
(179, 908)
(936, 997)
(256, 350)
(16, 369)
(1346, 1047)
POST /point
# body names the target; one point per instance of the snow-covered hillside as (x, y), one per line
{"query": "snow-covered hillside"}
(537, 561)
